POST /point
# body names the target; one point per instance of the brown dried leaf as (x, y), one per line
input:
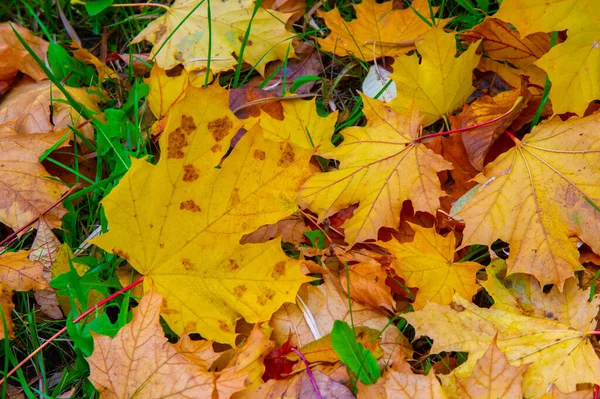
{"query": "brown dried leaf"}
(493, 377)
(17, 273)
(26, 192)
(15, 57)
(291, 229)
(367, 285)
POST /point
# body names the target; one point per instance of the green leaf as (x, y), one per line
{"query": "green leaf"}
(96, 7)
(358, 358)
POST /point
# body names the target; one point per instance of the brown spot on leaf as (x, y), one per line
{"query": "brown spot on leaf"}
(259, 154)
(270, 294)
(161, 244)
(120, 254)
(160, 33)
(220, 127)
(189, 205)
(223, 326)
(287, 156)
(261, 300)
(187, 264)
(235, 197)
(457, 306)
(177, 141)
(216, 147)
(239, 290)
(187, 124)
(190, 173)
(279, 270)
(233, 265)
(178, 56)
(178, 137)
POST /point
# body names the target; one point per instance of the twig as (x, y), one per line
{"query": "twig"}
(309, 372)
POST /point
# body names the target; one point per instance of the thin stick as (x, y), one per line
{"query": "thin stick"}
(309, 372)
(62, 331)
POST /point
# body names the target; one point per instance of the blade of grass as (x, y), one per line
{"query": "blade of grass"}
(238, 69)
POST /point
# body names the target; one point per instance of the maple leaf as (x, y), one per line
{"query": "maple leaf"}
(140, 362)
(428, 263)
(395, 384)
(535, 199)
(39, 107)
(440, 83)
(15, 57)
(187, 42)
(184, 238)
(493, 377)
(25, 190)
(526, 296)
(573, 67)
(301, 125)
(378, 30)
(502, 43)
(17, 273)
(558, 354)
(381, 165)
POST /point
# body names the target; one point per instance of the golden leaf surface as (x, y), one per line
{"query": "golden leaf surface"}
(380, 167)
(25, 190)
(492, 377)
(188, 44)
(535, 199)
(301, 125)
(573, 67)
(17, 273)
(378, 30)
(165, 90)
(179, 223)
(428, 263)
(557, 354)
(440, 83)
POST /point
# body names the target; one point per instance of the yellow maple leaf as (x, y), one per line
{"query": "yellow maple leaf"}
(25, 190)
(188, 44)
(573, 67)
(440, 83)
(179, 223)
(428, 263)
(301, 124)
(165, 90)
(557, 354)
(380, 167)
(378, 30)
(17, 273)
(521, 293)
(534, 198)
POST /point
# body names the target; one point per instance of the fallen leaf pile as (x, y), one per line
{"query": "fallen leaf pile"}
(454, 233)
